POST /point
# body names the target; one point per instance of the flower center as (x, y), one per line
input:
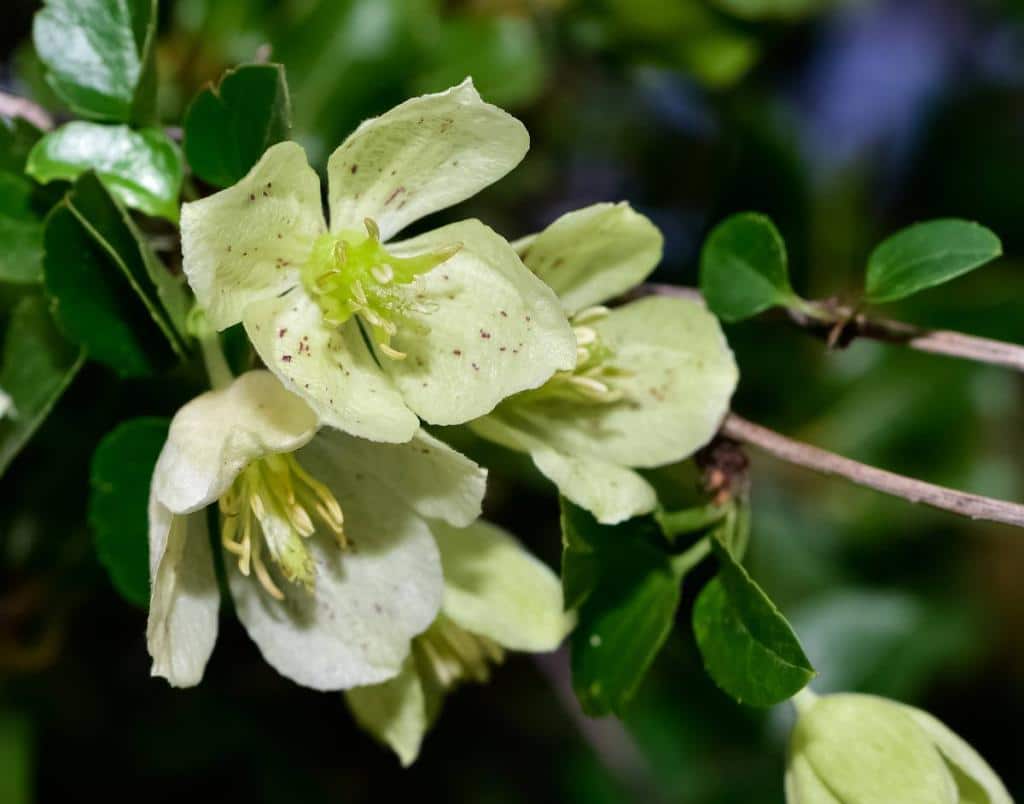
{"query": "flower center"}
(451, 654)
(593, 380)
(271, 504)
(350, 273)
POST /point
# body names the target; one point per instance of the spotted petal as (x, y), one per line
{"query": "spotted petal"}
(494, 329)
(217, 434)
(330, 368)
(593, 254)
(495, 588)
(247, 242)
(422, 156)
(354, 628)
(184, 597)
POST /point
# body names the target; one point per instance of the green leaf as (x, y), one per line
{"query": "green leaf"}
(122, 467)
(99, 56)
(113, 297)
(927, 254)
(743, 268)
(228, 127)
(141, 168)
(21, 232)
(17, 136)
(38, 364)
(17, 758)
(749, 649)
(628, 594)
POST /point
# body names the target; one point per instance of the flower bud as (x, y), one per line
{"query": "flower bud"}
(860, 749)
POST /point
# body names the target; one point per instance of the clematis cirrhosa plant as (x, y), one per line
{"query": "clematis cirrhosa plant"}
(374, 333)
(497, 597)
(653, 378)
(330, 558)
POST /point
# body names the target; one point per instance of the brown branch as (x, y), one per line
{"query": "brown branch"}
(839, 326)
(973, 506)
(13, 106)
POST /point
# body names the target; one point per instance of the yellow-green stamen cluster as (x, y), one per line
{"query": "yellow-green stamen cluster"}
(451, 654)
(270, 504)
(350, 273)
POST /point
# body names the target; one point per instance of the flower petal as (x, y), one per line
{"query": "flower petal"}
(398, 712)
(681, 378)
(495, 588)
(425, 474)
(247, 242)
(593, 254)
(422, 156)
(217, 434)
(330, 368)
(496, 329)
(354, 628)
(184, 598)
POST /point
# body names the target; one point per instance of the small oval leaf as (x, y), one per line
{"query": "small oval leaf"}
(927, 254)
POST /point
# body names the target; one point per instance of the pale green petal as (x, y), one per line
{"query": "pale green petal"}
(398, 712)
(422, 156)
(977, 781)
(593, 254)
(803, 785)
(330, 368)
(496, 329)
(184, 597)
(217, 434)
(866, 749)
(681, 377)
(495, 588)
(425, 474)
(368, 602)
(612, 493)
(247, 242)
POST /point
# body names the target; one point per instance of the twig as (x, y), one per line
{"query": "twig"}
(973, 506)
(939, 341)
(13, 106)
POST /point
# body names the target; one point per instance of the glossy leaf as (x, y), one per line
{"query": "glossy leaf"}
(21, 232)
(99, 56)
(229, 126)
(120, 475)
(928, 254)
(749, 649)
(38, 365)
(141, 168)
(628, 594)
(744, 268)
(112, 295)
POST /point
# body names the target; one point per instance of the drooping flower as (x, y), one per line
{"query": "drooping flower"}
(373, 333)
(331, 562)
(860, 749)
(653, 377)
(497, 597)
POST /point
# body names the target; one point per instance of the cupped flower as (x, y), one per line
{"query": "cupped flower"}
(497, 597)
(374, 333)
(861, 749)
(331, 562)
(653, 377)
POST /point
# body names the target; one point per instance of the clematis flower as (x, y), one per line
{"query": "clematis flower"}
(326, 537)
(862, 748)
(497, 597)
(374, 333)
(653, 377)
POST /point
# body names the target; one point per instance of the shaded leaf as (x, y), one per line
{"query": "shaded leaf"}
(99, 56)
(17, 136)
(122, 467)
(744, 268)
(21, 232)
(38, 364)
(228, 127)
(141, 168)
(927, 254)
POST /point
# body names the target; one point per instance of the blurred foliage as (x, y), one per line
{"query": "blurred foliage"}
(843, 123)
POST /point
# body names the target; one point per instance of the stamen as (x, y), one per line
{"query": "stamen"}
(451, 654)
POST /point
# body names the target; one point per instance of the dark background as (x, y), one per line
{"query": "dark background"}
(843, 123)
